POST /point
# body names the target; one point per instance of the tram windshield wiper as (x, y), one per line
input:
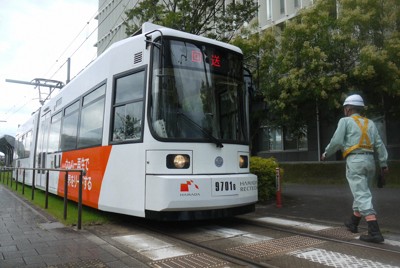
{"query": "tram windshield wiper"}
(209, 135)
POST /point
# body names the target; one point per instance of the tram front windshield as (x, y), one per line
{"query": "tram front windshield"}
(197, 93)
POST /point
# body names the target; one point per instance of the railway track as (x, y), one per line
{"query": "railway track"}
(333, 234)
(241, 242)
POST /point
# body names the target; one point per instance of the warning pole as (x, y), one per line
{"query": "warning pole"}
(278, 188)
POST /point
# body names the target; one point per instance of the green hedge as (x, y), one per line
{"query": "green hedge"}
(265, 169)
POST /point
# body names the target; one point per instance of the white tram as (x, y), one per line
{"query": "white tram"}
(160, 124)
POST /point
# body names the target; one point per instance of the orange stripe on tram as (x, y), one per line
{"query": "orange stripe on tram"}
(94, 161)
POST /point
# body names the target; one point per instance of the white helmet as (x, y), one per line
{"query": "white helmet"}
(354, 100)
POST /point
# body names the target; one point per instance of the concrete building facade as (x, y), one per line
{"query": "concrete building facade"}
(274, 12)
(111, 16)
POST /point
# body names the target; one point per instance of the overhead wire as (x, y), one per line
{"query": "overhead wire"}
(79, 47)
(65, 50)
(114, 25)
(86, 39)
(13, 110)
(72, 42)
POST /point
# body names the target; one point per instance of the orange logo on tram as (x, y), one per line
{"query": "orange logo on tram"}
(185, 187)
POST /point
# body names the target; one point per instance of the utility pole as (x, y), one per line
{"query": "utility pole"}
(68, 70)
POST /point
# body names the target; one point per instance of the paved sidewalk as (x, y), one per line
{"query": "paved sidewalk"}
(30, 239)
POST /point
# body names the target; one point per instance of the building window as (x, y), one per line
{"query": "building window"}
(269, 9)
(296, 3)
(281, 139)
(282, 6)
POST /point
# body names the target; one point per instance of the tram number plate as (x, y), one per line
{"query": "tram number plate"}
(224, 187)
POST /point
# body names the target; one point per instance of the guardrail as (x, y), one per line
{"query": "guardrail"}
(81, 172)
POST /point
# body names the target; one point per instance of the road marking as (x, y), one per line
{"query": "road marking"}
(386, 242)
(295, 224)
(222, 231)
(311, 227)
(337, 260)
(151, 247)
(213, 232)
(392, 242)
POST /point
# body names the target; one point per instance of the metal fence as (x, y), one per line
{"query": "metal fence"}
(5, 176)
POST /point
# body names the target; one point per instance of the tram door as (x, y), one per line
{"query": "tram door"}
(43, 140)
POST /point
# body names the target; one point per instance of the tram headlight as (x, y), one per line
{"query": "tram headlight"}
(178, 161)
(243, 161)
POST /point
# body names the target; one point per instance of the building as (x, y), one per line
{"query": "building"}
(111, 16)
(274, 12)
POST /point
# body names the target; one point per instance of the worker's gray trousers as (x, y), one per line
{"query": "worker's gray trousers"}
(360, 170)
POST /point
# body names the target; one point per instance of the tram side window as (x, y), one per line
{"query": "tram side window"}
(91, 128)
(23, 144)
(27, 144)
(128, 107)
(18, 146)
(70, 127)
(54, 137)
(22, 147)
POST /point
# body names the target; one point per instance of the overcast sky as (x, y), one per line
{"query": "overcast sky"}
(36, 39)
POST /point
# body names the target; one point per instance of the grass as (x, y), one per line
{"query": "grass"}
(55, 208)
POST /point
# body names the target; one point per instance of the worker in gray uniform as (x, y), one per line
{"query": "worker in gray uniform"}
(358, 138)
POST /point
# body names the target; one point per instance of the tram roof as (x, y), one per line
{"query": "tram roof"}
(148, 27)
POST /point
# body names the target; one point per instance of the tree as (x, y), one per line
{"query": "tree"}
(304, 68)
(257, 47)
(320, 56)
(375, 25)
(211, 18)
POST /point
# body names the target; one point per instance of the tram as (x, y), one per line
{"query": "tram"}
(159, 122)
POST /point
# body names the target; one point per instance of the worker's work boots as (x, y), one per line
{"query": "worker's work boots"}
(374, 234)
(352, 224)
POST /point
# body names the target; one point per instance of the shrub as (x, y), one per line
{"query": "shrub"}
(265, 169)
